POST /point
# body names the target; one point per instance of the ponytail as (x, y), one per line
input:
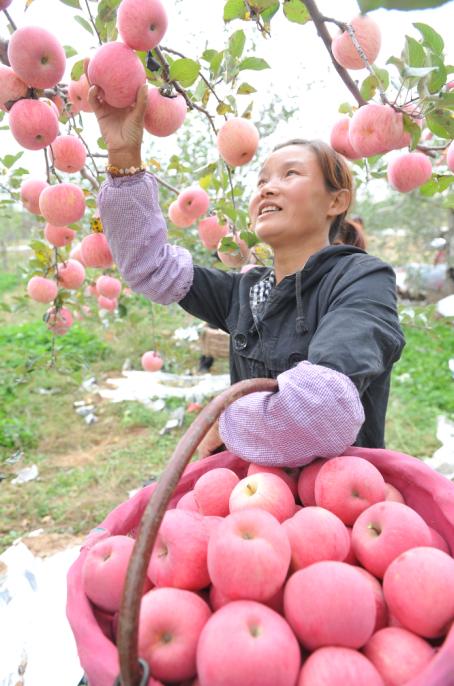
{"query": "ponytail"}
(347, 232)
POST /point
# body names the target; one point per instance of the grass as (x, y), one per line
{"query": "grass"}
(85, 471)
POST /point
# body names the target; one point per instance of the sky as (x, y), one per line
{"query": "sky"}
(301, 73)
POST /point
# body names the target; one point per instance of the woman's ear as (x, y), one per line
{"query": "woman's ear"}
(340, 202)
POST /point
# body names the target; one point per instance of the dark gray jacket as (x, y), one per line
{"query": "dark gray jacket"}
(339, 311)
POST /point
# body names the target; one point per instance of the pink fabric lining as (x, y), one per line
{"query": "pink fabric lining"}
(428, 492)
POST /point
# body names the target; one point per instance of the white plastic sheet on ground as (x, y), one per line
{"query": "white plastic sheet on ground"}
(144, 386)
(443, 458)
(37, 646)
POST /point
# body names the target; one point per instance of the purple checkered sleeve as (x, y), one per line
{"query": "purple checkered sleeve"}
(137, 236)
(317, 412)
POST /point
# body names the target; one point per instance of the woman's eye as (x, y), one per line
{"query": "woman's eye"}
(292, 171)
(260, 182)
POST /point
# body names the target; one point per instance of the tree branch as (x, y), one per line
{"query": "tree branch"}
(4, 52)
(322, 31)
(8, 16)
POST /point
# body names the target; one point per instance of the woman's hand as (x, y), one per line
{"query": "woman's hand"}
(210, 442)
(122, 129)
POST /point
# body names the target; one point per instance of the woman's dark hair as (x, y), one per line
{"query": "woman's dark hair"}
(335, 170)
(350, 233)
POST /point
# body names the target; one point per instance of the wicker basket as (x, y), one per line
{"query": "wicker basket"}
(214, 342)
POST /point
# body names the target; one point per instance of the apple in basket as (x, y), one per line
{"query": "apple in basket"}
(266, 491)
(104, 571)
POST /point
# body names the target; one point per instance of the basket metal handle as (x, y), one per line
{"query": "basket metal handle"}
(131, 669)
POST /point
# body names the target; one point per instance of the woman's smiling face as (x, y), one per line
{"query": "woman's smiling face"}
(291, 202)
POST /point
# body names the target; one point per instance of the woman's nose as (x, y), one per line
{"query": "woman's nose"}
(268, 188)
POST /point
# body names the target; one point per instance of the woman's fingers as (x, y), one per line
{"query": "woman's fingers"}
(141, 104)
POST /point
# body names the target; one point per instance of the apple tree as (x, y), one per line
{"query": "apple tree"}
(205, 103)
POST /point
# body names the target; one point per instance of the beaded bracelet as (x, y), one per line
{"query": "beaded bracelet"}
(124, 171)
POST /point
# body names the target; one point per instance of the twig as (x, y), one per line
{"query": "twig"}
(8, 16)
(166, 76)
(256, 17)
(4, 52)
(204, 79)
(93, 21)
(49, 181)
(322, 31)
(51, 167)
(85, 174)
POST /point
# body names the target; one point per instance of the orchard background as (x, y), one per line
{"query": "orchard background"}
(265, 61)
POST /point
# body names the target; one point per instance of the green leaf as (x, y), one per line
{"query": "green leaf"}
(368, 5)
(228, 244)
(383, 76)
(84, 23)
(9, 160)
(431, 38)
(216, 62)
(260, 6)
(397, 62)
(250, 238)
(223, 108)
(449, 201)
(438, 78)
(234, 9)
(256, 63)
(72, 3)
(414, 53)
(441, 122)
(417, 72)
(101, 143)
(345, 108)
(107, 11)
(77, 70)
(296, 11)
(268, 14)
(413, 129)
(185, 71)
(236, 43)
(69, 51)
(208, 55)
(369, 87)
(246, 89)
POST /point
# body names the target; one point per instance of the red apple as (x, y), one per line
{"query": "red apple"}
(179, 556)
(316, 534)
(398, 655)
(419, 591)
(62, 204)
(212, 491)
(385, 530)
(151, 361)
(347, 486)
(247, 644)
(335, 666)
(95, 251)
(164, 114)
(118, 72)
(392, 493)
(330, 603)
(71, 274)
(437, 541)
(104, 571)
(33, 124)
(58, 320)
(266, 491)
(290, 476)
(306, 481)
(41, 289)
(59, 236)
(170, 623)
(248, 555)
(30, 191)
(11, 86)
(381, 618)
(141, 23)
(188, 502)
(36, 56)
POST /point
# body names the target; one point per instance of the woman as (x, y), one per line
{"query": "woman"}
(323, 321)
